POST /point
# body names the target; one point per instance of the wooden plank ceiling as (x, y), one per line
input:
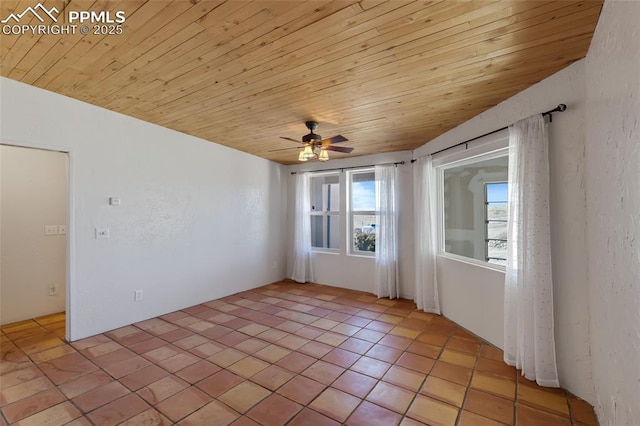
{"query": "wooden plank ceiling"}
(388, 75)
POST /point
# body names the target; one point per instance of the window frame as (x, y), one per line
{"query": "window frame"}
(351, 213)
(494, 146)
(327, 214)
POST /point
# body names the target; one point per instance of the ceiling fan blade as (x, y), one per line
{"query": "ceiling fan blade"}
(289, 139)
(286, 149)
(338, 148)
(335, 139)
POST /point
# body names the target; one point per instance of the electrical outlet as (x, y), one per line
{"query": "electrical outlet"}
(51, 230)
(53, 290)
(137, 296)
(102, 233)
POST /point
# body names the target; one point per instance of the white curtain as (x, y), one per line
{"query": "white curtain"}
(528, 324)
(302, 271)
(386, 276)
(426, 235)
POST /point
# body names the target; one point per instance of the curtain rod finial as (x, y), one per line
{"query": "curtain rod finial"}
(562, 107)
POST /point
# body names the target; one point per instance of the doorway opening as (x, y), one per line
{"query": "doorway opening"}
(34, 245)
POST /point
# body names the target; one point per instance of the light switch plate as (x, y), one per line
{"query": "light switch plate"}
(62, 229)
(51, 230)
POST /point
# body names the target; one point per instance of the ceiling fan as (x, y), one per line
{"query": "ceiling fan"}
(316, 147)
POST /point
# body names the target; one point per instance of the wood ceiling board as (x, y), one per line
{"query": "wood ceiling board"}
(376, 66)
(388, 75)
(165, 68)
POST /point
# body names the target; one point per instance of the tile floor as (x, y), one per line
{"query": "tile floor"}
(281, 354)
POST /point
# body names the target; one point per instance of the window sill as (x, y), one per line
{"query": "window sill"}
(474, 262)
(364, 256)
(325, 251)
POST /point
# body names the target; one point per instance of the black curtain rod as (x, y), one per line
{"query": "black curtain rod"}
(559, 108)
(352, 167)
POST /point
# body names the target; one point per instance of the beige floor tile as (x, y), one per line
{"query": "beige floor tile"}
(244, 396)
(445, 391)
(458, 358)
(494, 385)
(212, 414)
(272, 353)
(325, 324)
(323, 372)
(226, 357)
(253, 329)
(432, 412)
(57, 415)
(293, 342)
(272, 377)
(183, 403)
(150, 416)
(248, 366)
(346, 329)
(24, 390)
(392, 397)
(330, 338)
(404, 332)
(335, 404)
(162, 389)
(404, 378)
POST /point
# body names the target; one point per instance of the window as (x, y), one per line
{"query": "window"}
(325, 211)
(496, 222)
(474, 207)
(362, 212)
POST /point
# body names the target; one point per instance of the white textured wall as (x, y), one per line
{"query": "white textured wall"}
(357, 272)
(568, 239)
(33, 193)
(613, 211)
(198, 221)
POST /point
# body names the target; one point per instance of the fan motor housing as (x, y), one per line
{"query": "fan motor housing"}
(311, 137)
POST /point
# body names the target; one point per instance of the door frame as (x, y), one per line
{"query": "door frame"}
(70, 261)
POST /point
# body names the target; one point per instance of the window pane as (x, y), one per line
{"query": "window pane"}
(363, 191)
(497, 211)
(465, 205)
(497, 251)
(497, 230)
(325, 193)
(497, 192)
(364, 233)
(325, 231)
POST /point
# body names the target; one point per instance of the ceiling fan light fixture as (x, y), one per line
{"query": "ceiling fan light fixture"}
(316, 148)
(307, 152)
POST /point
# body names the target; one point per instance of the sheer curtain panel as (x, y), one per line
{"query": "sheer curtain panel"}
(426, 235)
(386, 276)
(302, 270)
(528, 324)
